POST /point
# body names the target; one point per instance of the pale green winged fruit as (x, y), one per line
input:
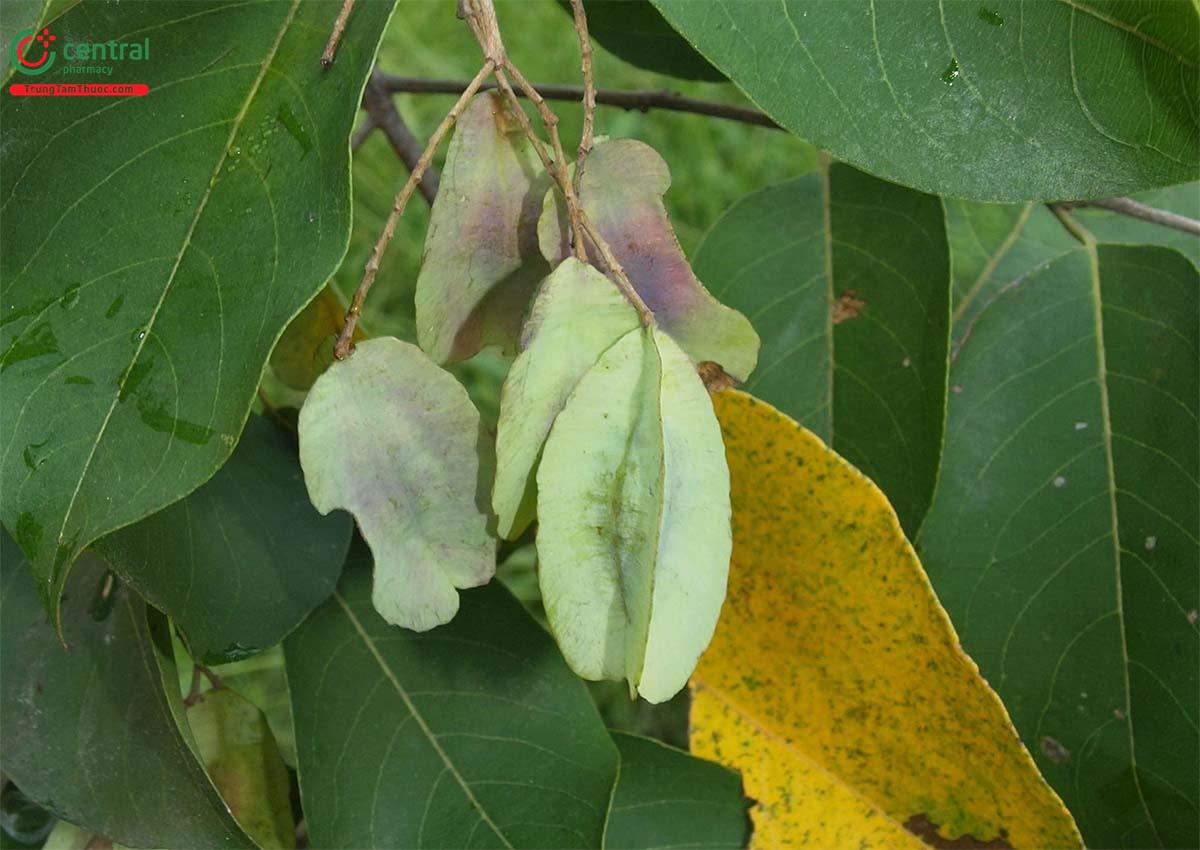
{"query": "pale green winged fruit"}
(622, 194)
(577, 315)
(634, 532)
(481, 263)
(389, 436)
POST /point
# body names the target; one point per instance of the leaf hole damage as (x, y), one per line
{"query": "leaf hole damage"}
(921, 826)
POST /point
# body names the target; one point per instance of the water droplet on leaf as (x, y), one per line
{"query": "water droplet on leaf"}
(951, 73)
(991, 16)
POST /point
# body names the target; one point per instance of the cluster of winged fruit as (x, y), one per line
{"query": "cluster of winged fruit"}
(606, 434)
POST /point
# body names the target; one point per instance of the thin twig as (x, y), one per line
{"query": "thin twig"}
(614, 266)
(550, 121)
(273, 413)
(481, 18)
(193, 695)
(379, 106)
(642, 101)
(1136, 209)
(345, 343)
(213, 678)
(480, 15)
(335, 37)
(589, 103)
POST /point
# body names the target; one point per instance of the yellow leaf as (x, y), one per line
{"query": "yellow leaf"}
(305, 349)
(835, 681)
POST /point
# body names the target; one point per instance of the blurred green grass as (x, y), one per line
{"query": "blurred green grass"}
(713, 161)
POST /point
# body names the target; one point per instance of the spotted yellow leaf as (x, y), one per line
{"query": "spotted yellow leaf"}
(835, 681)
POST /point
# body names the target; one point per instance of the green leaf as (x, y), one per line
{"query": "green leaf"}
(666, 798)
(994, 246)
(481, 262)
(393, 439)
(142, 295)
(1112, 227)
(847, 280)
(247, 536)
(1000, 101)
(577, 316)
(1063, 540)
(635, 31)
(633, 518)
(240, 754)
(91, 733)
(472, 735)
(622, 188)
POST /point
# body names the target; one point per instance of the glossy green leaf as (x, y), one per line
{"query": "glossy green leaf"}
(1112, 227)
(142, 295)
(998, 101)
(847, 280)
(241, 561)
(666, 799)
(633, 518)
(577, 316)
(392, 438)
(623, 184)
(91, 733)
(1063, 540)
(241, 757)
(994, 246)
(635, 31)
(472, 735)
(481, 261)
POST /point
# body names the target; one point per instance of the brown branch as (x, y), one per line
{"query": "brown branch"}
(335, 37)
(194, 696)
(642, 101)
(345, 343)
(273, 412)
(1154, 215)
(363, 133)
(589, 102)
(379, 106)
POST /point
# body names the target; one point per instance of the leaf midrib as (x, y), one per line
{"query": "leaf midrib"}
(1114, 518)
(390, 675)
(187, 239)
